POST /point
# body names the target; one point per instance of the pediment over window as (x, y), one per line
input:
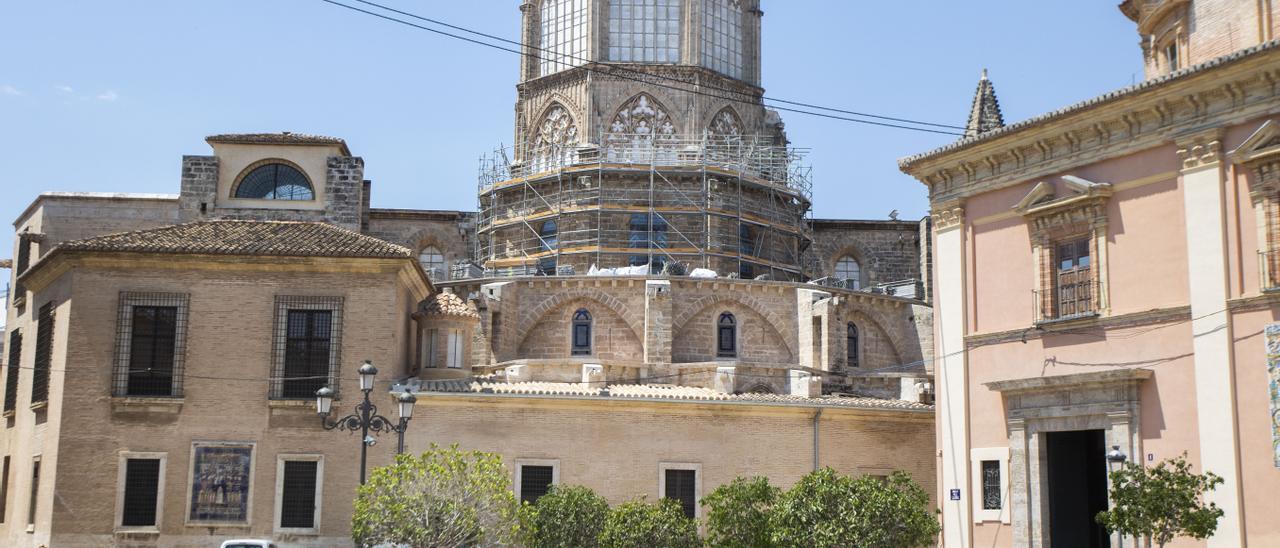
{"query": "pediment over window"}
(1263, 145)
(1044, 198)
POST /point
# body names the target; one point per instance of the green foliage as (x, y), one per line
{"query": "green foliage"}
(657, 525)
(826, 509)
(738, 513)
(1162, 502)
(565, 517)
(443, 497)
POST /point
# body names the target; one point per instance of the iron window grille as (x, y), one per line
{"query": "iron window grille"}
(4, 490)
(141, 487)
(727, 336)
(535, 481)
(680, 487)
(275, 181)
(298, 494)
(308, 346)
(11, 371)
(24, 261)
(991, 485)
(851, 345)
(151, 333)
(44, 355)
(581, 333)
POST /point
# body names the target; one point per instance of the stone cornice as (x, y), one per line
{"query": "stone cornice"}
(1121, 321)
(1229, 89)
(1074, 381)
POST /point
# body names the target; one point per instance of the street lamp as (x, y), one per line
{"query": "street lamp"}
(1115, 457)
(366, 418)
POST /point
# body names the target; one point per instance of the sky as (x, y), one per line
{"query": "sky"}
(106, 96)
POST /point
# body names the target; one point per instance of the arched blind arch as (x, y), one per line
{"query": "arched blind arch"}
(275, 181)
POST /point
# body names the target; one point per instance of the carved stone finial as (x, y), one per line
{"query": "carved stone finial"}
(985, 114)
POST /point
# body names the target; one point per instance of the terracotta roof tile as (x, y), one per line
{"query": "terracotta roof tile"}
(449, 304)
(227, 237)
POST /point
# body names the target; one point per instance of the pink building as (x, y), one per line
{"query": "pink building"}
(1107, 276)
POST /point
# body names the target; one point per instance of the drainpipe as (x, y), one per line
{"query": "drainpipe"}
(817, 415)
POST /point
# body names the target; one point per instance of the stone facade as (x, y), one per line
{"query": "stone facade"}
(886, 251)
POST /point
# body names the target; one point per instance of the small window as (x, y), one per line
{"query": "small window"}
(991, 495)
(4, 490)
(535, 481)
(151, 350)
(681, 486)
(308, 341)
(641, 237)
(433, 262)
(35, 491)
(429, 348)
(12, 369)
(275, 181)
(851, 345)
(298, 494)
(455, 349)
(549, 235)
(747, 239)
(581, 333)
(727, 336)
(141, 489)
(44, 355)
(547, 266)
(746, 271)
(1171, 56)
(24, 255)
(849, 273)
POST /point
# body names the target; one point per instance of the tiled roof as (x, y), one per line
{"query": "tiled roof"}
(449, 304)
(1260, 49)
(226, 237)
(651, 392)
(282, 138)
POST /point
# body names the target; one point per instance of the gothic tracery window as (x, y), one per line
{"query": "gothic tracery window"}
(644, 31)
(555, 140)
(640, 127)
(725, 124)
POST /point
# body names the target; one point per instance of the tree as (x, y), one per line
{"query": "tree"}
(1162, 502)
(826, 509)
(565, 517)
(657, 525)
(738, 513)
(443, 497)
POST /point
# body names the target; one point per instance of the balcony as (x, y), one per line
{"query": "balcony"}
(1075, 296)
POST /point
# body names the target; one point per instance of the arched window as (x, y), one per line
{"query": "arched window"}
(851, 345)
(581, 332)
(848, 272)
(433, 262)
(548, 233)
(275, 181)
(727, 336)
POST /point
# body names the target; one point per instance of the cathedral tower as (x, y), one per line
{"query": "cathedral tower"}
(641, 138)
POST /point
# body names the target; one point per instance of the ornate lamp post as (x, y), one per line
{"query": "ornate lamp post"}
(366, 418)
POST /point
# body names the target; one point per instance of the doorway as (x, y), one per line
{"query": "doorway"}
(1077, 488)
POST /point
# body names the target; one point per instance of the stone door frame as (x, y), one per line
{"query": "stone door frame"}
(1106, 400)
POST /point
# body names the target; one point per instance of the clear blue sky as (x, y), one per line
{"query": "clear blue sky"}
(108, 95)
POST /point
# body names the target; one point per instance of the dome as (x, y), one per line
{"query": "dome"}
(449, 304)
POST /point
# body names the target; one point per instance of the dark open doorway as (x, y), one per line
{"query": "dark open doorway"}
(1077, 488)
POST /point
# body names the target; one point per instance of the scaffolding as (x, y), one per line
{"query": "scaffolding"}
(737, 204)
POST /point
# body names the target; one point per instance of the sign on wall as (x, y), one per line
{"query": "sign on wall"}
(220, 477)
(1273, 387)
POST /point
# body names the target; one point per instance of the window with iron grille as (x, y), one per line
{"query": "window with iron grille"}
(308, 339)
(44, 355)
(4, 490)
(681, 487)
(141, 487)
(275, 181)
(727, 336)
(298, 494)
(35, 490)
(991, 499)
(581, 333)
(151, 330)
(11, 370)
(535, 481)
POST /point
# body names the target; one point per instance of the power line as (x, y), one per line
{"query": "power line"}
(646, 76)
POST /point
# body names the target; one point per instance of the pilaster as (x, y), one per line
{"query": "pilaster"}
(657, 322)
(952, 373)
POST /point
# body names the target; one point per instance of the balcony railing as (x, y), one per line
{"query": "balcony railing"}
(1075, 295)
(1269, 270)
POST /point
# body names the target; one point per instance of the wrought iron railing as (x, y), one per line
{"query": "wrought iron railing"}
(1074, 295)
(1269, 270)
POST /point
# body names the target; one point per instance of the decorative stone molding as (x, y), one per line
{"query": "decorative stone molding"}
(1200, 149)
(640, 118)
(725, 123)
(947, 215)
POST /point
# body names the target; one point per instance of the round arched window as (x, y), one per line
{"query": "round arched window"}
(849, 272)
(433, 262)
(275, 181)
